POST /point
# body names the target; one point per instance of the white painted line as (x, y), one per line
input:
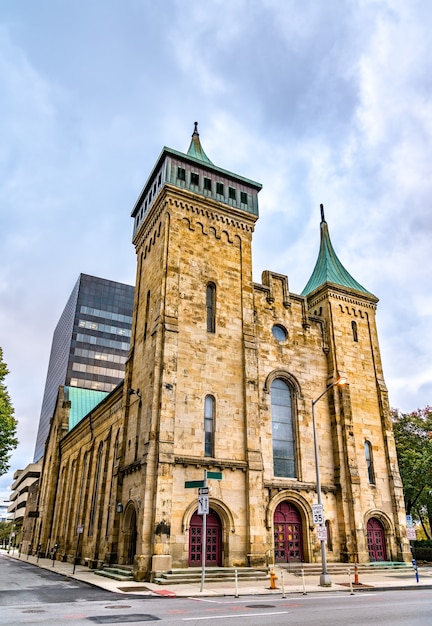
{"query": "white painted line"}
(189, 619)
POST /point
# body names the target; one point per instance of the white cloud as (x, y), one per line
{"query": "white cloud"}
(318, 101)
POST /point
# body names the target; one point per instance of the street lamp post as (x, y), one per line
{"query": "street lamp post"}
(325, 580)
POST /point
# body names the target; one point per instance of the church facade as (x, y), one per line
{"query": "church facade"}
(221, 390)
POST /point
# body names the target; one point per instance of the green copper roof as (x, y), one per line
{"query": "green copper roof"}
(328, 268)
(195, 148)
(82, 402)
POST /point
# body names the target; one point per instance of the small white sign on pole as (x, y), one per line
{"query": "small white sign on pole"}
(411, 534)
(322, 533)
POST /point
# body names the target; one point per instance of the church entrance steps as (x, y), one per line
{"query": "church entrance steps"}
(212, 574)
(116, 572)
(310, 569)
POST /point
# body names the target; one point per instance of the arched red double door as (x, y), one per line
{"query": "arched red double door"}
(288, 539)
(376, 540)
(213, 543)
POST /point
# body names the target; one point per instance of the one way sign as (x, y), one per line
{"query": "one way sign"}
(203, 505)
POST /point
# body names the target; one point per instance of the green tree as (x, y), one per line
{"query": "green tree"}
(413, 436)
(5, 531)
(8, 423)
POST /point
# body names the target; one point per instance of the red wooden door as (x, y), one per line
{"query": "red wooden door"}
(376, 540)
(213, 544)
(288, 540)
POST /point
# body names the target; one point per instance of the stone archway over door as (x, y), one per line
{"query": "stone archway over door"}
(288, 537)
(376, 540)
(132, 537)
(213, 544)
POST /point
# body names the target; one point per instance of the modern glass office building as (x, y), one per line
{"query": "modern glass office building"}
(90, 344)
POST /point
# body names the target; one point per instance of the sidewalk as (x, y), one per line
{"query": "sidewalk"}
(372, 581)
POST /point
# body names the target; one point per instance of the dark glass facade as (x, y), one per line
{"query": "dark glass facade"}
(90, 344)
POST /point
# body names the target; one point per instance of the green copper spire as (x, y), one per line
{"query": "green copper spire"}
(195, 148)
(328, 268)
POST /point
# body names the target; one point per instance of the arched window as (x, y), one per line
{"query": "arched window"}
(95, 490)
(369, 462)
(329, 536)
(80, 513)
(211, 307)
(282, 428)
(209, 420)
(354, 330)
(147, 310)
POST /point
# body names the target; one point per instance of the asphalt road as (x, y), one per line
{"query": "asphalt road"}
(29, 595)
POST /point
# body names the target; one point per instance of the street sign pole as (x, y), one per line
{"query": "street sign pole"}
(204, 538)
(80, 530)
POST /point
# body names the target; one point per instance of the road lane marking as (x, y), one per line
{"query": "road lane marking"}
(189, 619)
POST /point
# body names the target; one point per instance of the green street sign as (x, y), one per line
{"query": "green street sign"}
(214, 475)
(193, 484)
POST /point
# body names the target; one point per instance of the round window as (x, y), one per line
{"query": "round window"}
(279, 332)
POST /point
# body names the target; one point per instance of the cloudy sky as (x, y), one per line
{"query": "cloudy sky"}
(319, 101)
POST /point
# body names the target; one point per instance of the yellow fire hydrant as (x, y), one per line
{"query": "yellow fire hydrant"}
(273, 579)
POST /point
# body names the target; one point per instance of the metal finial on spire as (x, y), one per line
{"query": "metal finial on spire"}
(195, 148)
(322, 212)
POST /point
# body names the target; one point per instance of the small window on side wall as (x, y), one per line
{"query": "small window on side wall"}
(209, 419)
(211, 307)
(354, 330)
(369, 462)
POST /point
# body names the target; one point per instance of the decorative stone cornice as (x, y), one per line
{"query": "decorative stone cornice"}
(338, 293)
(287, 484)
(207, 463)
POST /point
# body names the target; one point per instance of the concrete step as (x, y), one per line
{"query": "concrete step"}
(212, 574)
(115, 572)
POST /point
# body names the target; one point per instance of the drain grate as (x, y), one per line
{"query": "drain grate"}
(260, 606)
(34, 611)
(123, 619)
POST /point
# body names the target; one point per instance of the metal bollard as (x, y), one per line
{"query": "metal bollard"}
(54, 552)
(283, 585)
(350, 582)
(303, 581)
(236, 595)
(414, 564)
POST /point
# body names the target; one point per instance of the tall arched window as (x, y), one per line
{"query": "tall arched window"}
(95, 490)
(209, 420)
(369, 462)
(147, 310)
(283, 431)
(211, 307)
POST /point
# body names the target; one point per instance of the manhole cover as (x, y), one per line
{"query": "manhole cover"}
(123, 619)
(260, 606)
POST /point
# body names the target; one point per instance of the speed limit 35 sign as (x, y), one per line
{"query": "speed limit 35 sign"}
(318, 513)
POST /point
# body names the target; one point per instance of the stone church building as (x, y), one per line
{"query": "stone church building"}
(221, 380)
